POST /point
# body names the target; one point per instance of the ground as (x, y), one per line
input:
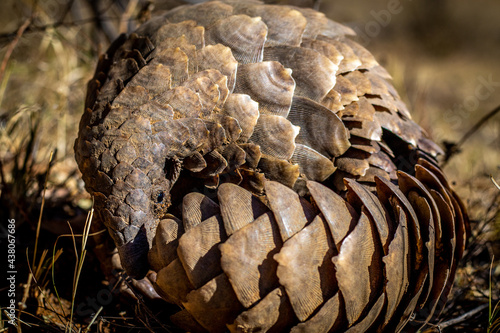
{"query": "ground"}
(443, 56)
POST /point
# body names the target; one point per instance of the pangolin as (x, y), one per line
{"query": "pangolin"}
(257, 159)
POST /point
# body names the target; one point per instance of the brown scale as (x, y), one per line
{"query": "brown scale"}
(255, 161)
(244, 35)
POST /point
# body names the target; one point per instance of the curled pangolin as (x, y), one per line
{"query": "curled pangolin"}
(257, 159)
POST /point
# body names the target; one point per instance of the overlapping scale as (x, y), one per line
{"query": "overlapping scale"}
(193, 33)
(305, 268)
(365, 324)
(184, 101)
(238, 207)
(354, 260)
(358, 196)
(247, 259)
(279, 170)
(197, 208)
(269, 84)
(313, 73)
(272, 314)
(177, 62)
(164, 249)
(204, 14)
(346, 90)
(183, 44)
(350, 61)
(198, 250)
(325, 48)
(214, 304)
(320, 128)
(207, 91)
(316, 22)
(172, 282)
(276, 141)
(285, 26)
(220, 58)
(367, 59)
(275, 135)
(287, 209)
(311, 163)
(354, 162)
(325, 320)
(244, 35)
(155, 79)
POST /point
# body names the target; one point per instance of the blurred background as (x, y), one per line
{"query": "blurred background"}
(444, 56)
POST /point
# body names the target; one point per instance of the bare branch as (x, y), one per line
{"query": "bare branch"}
(454, 148)
(463, 317)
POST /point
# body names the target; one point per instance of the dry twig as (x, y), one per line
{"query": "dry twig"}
(462, 318)
(454, 148)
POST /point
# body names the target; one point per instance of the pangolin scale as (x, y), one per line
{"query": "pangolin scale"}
(256, 159)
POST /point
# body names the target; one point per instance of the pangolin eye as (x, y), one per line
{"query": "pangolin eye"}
(160, 197)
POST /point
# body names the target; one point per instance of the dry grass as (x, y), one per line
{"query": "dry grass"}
(439, 53)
